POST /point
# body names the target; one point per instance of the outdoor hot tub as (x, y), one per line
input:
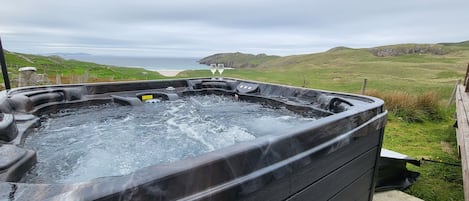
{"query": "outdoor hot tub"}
(188, 139)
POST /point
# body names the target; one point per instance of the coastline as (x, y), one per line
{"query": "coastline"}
(169, 73)
(172, 73)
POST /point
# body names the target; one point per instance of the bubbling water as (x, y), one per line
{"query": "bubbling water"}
(77, 145)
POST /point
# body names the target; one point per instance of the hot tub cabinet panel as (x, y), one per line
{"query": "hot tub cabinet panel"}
(333, 158)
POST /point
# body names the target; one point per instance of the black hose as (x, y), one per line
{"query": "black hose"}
(6, 79)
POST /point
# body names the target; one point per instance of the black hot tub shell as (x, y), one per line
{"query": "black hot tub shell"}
(335, 158)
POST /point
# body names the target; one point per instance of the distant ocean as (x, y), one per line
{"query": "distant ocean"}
(149, 63)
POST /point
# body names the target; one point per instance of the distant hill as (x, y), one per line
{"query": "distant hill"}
(461, 44)
(66, 54)
(237, 60)
(241, 60)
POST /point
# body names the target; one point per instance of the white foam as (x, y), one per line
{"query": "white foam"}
(79, 145)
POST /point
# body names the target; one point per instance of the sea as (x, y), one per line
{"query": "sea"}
(149, 63)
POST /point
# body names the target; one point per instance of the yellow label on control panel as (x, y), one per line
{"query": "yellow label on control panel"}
(147, 97)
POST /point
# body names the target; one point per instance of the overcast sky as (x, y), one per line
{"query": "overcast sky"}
(197, 28)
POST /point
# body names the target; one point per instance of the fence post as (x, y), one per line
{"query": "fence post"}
(453, 94)
(58, 79)
(465, 79)
(364, 86)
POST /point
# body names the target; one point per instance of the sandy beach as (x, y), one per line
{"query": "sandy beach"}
(169, 73)
(172, 73)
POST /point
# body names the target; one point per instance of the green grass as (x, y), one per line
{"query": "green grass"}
(429, 140)
(343, 69)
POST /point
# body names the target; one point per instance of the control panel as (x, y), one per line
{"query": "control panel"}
(245, 88)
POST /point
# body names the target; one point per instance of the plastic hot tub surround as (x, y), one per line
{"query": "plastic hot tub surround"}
(333, 158)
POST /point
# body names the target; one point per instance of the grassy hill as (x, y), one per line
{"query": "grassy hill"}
(415, 68)
(73, 71)
(237, 60)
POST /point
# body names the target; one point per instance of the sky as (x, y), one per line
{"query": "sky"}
(198, 28)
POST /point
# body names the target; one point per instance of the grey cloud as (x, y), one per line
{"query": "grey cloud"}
(208, 26)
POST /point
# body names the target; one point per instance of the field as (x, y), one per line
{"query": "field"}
(415, 70)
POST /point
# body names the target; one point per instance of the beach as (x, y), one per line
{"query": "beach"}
(169, 73)
(172, 73)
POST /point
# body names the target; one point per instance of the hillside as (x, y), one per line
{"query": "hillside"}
(415, 68)
(72, 71)
(431, 67)
(237, 60)
(241, 60)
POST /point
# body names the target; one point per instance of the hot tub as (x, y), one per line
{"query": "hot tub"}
(332, 154)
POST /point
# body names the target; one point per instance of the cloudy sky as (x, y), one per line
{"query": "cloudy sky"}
(197, 28)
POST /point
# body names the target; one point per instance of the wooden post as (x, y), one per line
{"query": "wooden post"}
(364, 86)
(465, 79)
(86, 76)
(454, 93)
(58, 79)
